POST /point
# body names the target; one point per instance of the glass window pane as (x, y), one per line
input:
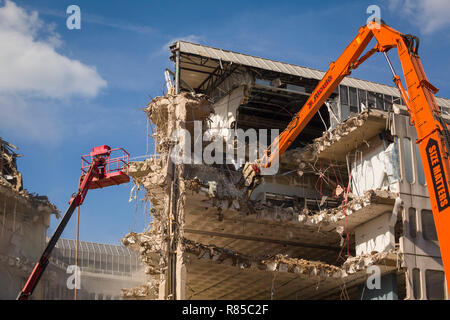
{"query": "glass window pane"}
(380, 101)
(345, 112)
(417, 288)
(412, 220)
(428, 227)
(128, 266)
(115, 263)
(407, 160)
(109, 264)
(97, 261)
(353, 99)
(388, 102)
(371, 99)
(362, 99)
(420, 172)
(435, 284)
(343, 92)
(397, 100)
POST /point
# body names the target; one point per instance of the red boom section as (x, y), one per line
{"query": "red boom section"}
(99, 171)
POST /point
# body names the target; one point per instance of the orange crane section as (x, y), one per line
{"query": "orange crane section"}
(432, 130)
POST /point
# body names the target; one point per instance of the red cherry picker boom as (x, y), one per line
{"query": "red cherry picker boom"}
(99, 170)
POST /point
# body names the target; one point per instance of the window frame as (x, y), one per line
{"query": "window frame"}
(414, 213)
(411, 162)
(423, 213)
(427, 289)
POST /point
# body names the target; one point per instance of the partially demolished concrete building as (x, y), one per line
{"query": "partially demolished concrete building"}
(24, 219)
(346, 216)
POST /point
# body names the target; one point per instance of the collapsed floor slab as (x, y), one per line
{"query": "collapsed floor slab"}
(218, 273)
(337, 143)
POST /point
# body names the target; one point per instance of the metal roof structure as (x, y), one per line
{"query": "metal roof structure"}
(93, 247)
(196, 76)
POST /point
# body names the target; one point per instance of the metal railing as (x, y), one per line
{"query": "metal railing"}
(116, 164)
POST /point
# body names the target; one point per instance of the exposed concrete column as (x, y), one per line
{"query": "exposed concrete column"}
(180, 275)
(177, 71)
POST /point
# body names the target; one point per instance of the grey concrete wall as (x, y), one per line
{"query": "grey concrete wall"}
(419, 253)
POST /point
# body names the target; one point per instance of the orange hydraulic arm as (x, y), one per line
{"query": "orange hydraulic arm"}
(432, 131)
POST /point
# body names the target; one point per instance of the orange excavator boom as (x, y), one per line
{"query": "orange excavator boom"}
(432, 130)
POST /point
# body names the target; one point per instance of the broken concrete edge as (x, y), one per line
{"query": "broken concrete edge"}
(334, 215)
(147, 291)
(328, 216)
(171, 112)
(38, 202)
(282, 263)
(22, 266)
(278, 263)
(146, 174)
(391, 258)
(9, 175)
(311, 153)
(325, 217)
(17, 262)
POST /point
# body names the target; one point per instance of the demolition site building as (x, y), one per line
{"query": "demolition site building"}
(349, 199)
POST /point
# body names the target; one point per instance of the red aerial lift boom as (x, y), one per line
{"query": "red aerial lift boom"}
(99, 170)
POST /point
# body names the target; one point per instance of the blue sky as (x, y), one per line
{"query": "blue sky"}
(104, 74)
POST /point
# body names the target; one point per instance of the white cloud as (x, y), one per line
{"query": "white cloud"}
(429, 15)
(29, 63)
(35, 80)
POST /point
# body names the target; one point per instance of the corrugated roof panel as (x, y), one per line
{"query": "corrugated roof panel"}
(256, 63)
(443, 102)
(284, 68)
(267, 64)
(243, 60)
(293, 70)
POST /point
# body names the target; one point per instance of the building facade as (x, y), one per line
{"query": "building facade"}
(105, 270)
(348, 204)
(24, 219)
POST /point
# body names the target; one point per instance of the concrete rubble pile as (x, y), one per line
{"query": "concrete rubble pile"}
(278, 263)
(24, 219)
(9, 175)
(354, 264)
(146, 291)
(325, 216)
